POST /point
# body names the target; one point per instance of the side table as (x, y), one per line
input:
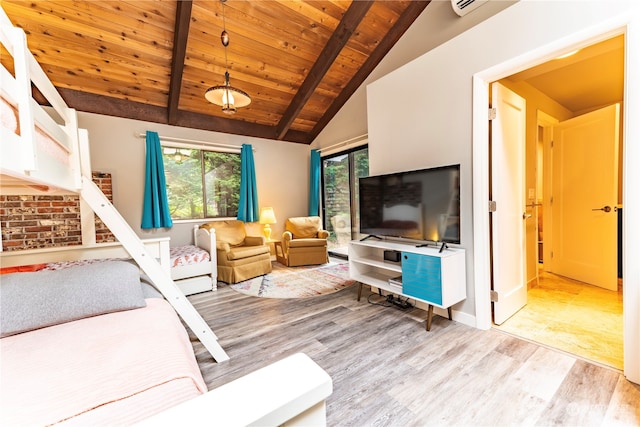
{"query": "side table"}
(277, 245)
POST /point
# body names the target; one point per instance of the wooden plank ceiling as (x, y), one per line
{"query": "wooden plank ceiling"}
(300, 61)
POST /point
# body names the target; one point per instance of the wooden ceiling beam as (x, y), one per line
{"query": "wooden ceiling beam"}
(180, 36)
(350, 21)
(110, 106)
(405, 20)
(220, 124)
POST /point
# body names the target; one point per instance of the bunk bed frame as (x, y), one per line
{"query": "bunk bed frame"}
(43, 156)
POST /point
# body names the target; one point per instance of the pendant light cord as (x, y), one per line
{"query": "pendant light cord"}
(224, 32)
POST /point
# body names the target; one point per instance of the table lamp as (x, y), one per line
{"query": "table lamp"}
(267, 217)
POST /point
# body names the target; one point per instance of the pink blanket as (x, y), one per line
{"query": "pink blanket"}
(111, 369)
(187, 255)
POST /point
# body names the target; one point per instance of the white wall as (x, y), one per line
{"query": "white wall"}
(282, 170)
(432, 122)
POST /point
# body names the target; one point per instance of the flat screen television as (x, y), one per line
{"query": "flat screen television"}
(421, 204)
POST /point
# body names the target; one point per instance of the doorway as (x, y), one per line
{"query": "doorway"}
(340, 197)
(560, 310)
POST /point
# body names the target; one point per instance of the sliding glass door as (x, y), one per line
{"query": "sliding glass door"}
(340, 202)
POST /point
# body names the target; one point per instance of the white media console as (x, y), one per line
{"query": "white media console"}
(424, 274)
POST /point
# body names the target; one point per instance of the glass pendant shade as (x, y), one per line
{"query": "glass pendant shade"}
(227, 96)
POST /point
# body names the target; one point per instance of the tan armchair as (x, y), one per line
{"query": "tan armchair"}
(239, 257)
(304, 242)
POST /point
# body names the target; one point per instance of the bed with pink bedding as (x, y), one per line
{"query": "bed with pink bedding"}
(188, 255)
(191, 266)
(194, 267)
(114, 354)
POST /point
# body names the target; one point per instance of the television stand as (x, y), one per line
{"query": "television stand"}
(429, 276)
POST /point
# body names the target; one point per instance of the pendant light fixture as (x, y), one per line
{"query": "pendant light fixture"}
(225, 95)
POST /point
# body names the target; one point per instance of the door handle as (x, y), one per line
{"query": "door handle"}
(526, 215)
(606, 208)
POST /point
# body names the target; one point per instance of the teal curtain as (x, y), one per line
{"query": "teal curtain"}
(248, 203)
(155, 211)
(314, 183)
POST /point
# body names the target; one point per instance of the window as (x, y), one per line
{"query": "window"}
(200, 183)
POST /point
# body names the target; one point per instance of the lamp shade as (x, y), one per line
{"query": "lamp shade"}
(226, 95)
(267, 216)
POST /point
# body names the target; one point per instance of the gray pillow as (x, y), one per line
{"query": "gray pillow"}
(149, 290)
(45, 298)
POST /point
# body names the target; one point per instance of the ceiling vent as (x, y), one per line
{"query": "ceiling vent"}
(462, 7)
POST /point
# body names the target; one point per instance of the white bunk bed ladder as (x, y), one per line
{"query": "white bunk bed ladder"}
(160, 277)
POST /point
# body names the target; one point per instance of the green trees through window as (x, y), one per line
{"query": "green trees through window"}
(200, 183)
(340, 174)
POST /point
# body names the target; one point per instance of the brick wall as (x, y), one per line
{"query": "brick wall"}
(103, 181)
(44, 221)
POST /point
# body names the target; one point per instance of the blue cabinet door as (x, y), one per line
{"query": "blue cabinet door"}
(422, 277)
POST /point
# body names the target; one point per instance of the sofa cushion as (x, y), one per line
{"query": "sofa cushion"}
(246, 252)
(255, 241)
(36, 300)
(303, 227)
(231, 231)
(304, 243)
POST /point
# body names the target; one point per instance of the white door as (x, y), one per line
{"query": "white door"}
(584, 194)
(508, 191)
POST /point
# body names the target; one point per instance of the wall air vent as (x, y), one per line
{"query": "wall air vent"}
(462, 7)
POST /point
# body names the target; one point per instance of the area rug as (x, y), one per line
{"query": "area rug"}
(298, 282)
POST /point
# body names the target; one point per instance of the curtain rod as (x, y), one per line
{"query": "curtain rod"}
(194, 141)
(345, 142)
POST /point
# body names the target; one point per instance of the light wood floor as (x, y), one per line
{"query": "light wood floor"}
(388, 371)
(572, 316)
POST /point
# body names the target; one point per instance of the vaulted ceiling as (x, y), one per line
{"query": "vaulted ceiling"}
(151, 60)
